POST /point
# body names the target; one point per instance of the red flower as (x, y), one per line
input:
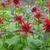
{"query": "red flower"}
(1, 20)
(37, 14)
(25, 27)
(48, 8)
(34, 9)
(19, 18)
(48, 3)
(16, 2)
(47, 24)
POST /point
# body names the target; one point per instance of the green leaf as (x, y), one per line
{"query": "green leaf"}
(10, 27)
(3, 48)
(1, 43)
(34, 41)
(12, 41)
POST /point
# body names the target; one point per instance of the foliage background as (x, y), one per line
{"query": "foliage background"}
(13, 40)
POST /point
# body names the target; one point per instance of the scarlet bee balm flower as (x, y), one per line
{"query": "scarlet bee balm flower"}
(37, 14)
(34, 9)
(19, 18)
(47, 24)
(16, 2)
(25, 27)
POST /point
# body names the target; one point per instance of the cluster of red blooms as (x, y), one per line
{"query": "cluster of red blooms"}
(47, 24)
(7, 2)
(25, 26)
(36, 12)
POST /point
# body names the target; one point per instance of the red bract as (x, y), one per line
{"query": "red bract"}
(34, 9)
(37, 14)
(16, 2)
(47, 24)
(19, 18)
(25, 27)
(1, 20)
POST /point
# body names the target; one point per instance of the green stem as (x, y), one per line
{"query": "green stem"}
(38, 25)
(49, 14)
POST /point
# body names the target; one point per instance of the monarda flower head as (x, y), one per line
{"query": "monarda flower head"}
(34, 9)
(37, 14)
(47, 24)
(19, 18)
(16, 2)
(26, 27)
